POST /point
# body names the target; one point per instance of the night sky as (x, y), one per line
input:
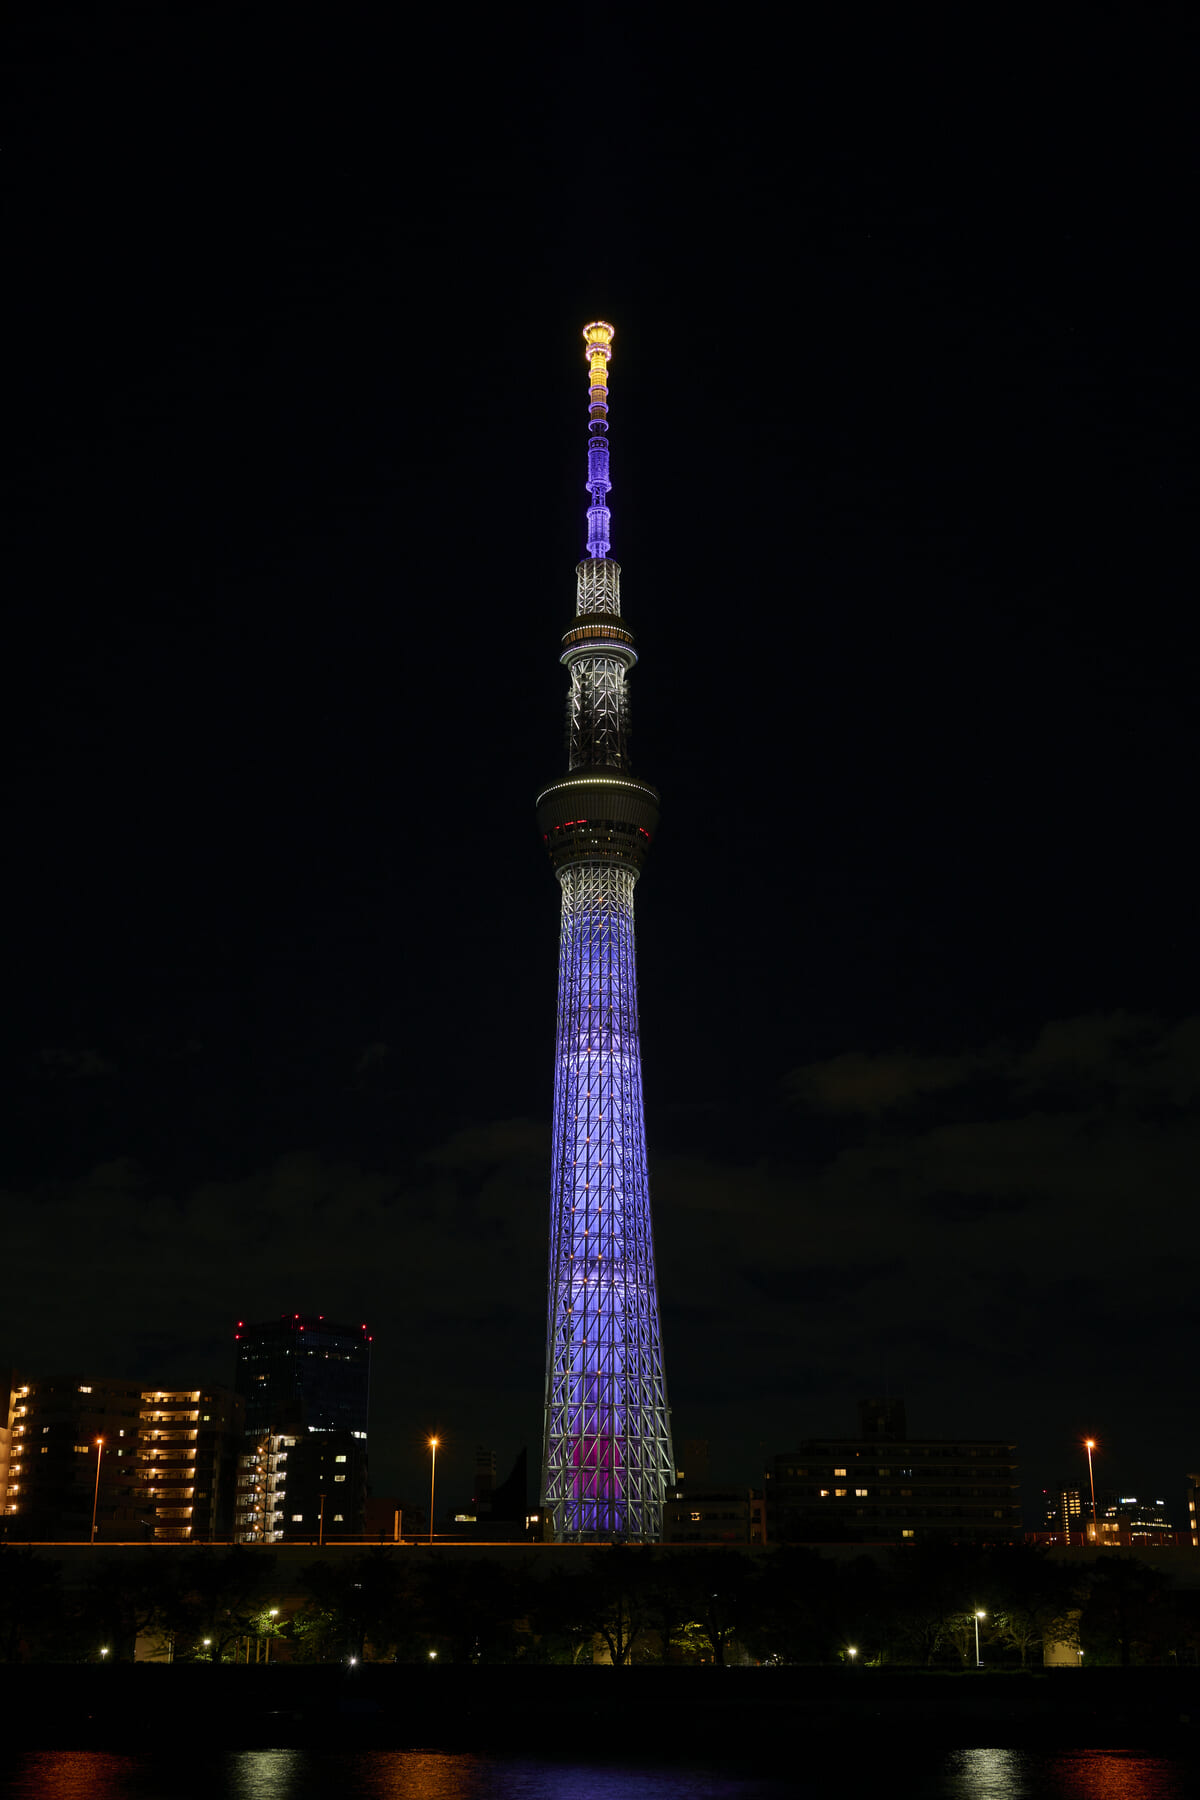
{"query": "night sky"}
(903, 409)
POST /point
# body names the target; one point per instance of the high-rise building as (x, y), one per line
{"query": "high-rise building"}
(142, 1464)
(888, 1487)
(1064, 1511)
(699, 1514)
(8, 1420)
(607, 1458)
(303, 1470)
(189, 1440)
(1192, 1498)
(1125, 1520)
(73, 1444)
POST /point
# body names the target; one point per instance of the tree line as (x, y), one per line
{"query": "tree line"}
(918, 1606)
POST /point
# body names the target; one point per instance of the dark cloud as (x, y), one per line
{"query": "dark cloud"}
(71, 1065)
(854, 1082)
(985, 1232)
(1130, 1057)
(949, 1207)
(819, 1286)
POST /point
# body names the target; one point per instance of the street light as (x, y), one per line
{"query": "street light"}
(1089, 1445)
(96, 1497)
(433, 1447)
(852, 1651)
(978, 1658)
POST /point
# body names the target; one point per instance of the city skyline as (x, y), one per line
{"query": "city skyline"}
(910, 509)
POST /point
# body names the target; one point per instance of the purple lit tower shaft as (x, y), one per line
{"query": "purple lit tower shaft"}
(607, 1458)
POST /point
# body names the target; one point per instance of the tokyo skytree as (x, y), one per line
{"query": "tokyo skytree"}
(607, 1457)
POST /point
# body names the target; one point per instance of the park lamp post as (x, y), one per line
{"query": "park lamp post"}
(96, 1495)
(433, 1450)
(978, 1659)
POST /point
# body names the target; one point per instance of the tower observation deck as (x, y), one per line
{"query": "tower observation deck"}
(607, 1457)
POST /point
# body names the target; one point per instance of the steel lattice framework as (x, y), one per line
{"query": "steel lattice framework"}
(607, 1458)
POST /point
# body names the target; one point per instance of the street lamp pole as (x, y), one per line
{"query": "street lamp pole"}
(433, 1446)
(978, 1658)
(1090, 1445)
(96, 1495)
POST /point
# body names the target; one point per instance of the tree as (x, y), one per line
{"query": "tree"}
(30, 1604)
(122, 1600)
(612, 1597)
(217, 1599)
(716, 1592)
(935, 1590)
(559, 1619)
(470, 1606)
(365, 1600)
(1035, 1599)
(795, 1615)
(1127, 1615)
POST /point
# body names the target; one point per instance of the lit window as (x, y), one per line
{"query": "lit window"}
(839, 1493)
(908, 1534)
(338, 1519)
(82, 1449)
(839, 1471)
(339, 1459)
(824, 1493)
(339, 1478)
(860, 1493)
(694, 1517)
(297, 1518)
(85, 1390)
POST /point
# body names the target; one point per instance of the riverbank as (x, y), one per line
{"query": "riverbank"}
(682, 1712)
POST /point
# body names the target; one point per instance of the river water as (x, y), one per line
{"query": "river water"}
(845, 1773)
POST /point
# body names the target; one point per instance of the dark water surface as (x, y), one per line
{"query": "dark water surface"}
(844, 1773)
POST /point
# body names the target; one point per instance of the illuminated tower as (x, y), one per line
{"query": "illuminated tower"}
(607, 1457)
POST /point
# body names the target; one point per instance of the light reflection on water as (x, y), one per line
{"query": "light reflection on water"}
(1124, 1775)
(263, 1774)
(443, 1775)
(73, 1775)
(450, 1775)
(984, 1775)
(1064, 1775)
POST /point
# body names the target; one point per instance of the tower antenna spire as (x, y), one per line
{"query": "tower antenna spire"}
(598, 337)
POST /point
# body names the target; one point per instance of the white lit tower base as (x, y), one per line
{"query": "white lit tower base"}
(607, 1458)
